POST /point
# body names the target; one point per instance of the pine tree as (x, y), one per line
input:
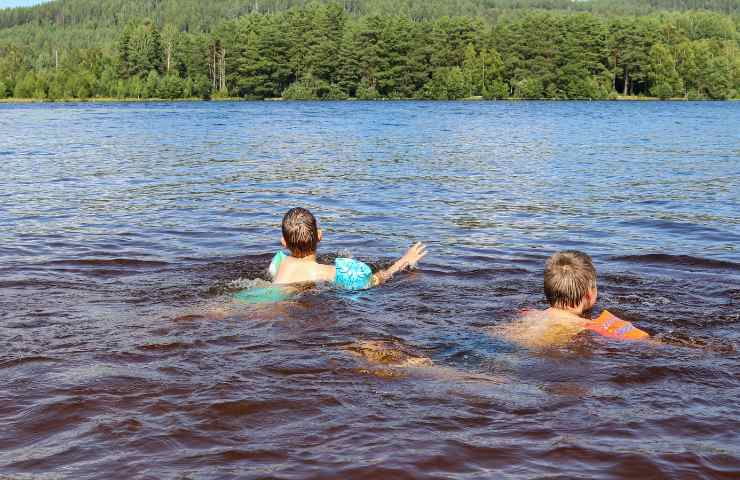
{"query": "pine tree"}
(144, 50)
(274, 51)
(348, 73)
(150, 89)
(248, 76)
(124, 44)
(630, 43)
(456, 85)
(369, 52)
(720, 78)
(25, 85)
(663, 75)
(473, 71)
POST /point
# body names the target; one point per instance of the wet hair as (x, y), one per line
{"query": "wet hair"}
(569, 276)
(300, 232)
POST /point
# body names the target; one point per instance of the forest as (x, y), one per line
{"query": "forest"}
(371, 49)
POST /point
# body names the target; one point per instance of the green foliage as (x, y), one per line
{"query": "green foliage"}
(473, 71)
(171, 87)
(202, 87)
(301, 90)
(528, 87)
(446, 84)
(631, 41)
(371, 49)
(719, 78)
(311, 88)
(200, 16)
(365, 91)
(496, 90)
(136, 88)
(455, 83)
(666, 82)
(25, 86)
(143, 50)
(150, 88)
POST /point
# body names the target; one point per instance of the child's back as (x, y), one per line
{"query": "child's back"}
(296, 270)
(301, 236)
(539, 329)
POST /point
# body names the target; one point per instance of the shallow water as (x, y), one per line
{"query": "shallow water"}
(121, 225)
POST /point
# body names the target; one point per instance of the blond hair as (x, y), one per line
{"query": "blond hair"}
(569, 276)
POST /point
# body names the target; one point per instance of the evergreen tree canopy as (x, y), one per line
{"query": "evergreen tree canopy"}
(437, 49)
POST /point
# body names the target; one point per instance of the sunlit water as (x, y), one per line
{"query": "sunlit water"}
(121, 226)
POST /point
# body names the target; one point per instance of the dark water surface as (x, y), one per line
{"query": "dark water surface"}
(122, 225)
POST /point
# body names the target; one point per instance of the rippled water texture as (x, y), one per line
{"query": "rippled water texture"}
(122, 226)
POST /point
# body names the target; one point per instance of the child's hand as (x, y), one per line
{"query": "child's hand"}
(410, 259)
(414, 254)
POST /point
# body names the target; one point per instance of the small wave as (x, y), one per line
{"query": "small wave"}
(110, 262)
(230, 286)
(238, 408)
(101, 272)
(679, 260)
(37, 283)
(651, 374)
(246, 283)
(257, 455)
(167, 347)
(681, 339)
(489, 272)
(25, 360)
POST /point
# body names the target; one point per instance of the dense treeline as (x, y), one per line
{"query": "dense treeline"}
(358, 48)
(197, 15)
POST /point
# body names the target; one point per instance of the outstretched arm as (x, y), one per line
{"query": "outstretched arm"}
(410, 259)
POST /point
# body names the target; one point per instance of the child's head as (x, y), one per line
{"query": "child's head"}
(300, 232)
(570, 281)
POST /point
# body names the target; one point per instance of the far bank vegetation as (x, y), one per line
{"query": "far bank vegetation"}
(79, 49)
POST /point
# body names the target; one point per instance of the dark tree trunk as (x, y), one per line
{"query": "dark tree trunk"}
(626, 82)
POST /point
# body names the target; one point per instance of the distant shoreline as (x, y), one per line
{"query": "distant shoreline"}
(621, 98)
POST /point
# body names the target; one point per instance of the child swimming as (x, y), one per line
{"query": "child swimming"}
(301, 236)
(394, 359)
(570, 288)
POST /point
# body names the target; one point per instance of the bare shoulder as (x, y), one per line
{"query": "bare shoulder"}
(519, 326)
(292, 271)
(536, 329)
(328, 273)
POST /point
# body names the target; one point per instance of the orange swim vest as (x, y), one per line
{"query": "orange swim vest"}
(610, 326)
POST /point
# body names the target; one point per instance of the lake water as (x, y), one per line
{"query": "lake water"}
(121, 225)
